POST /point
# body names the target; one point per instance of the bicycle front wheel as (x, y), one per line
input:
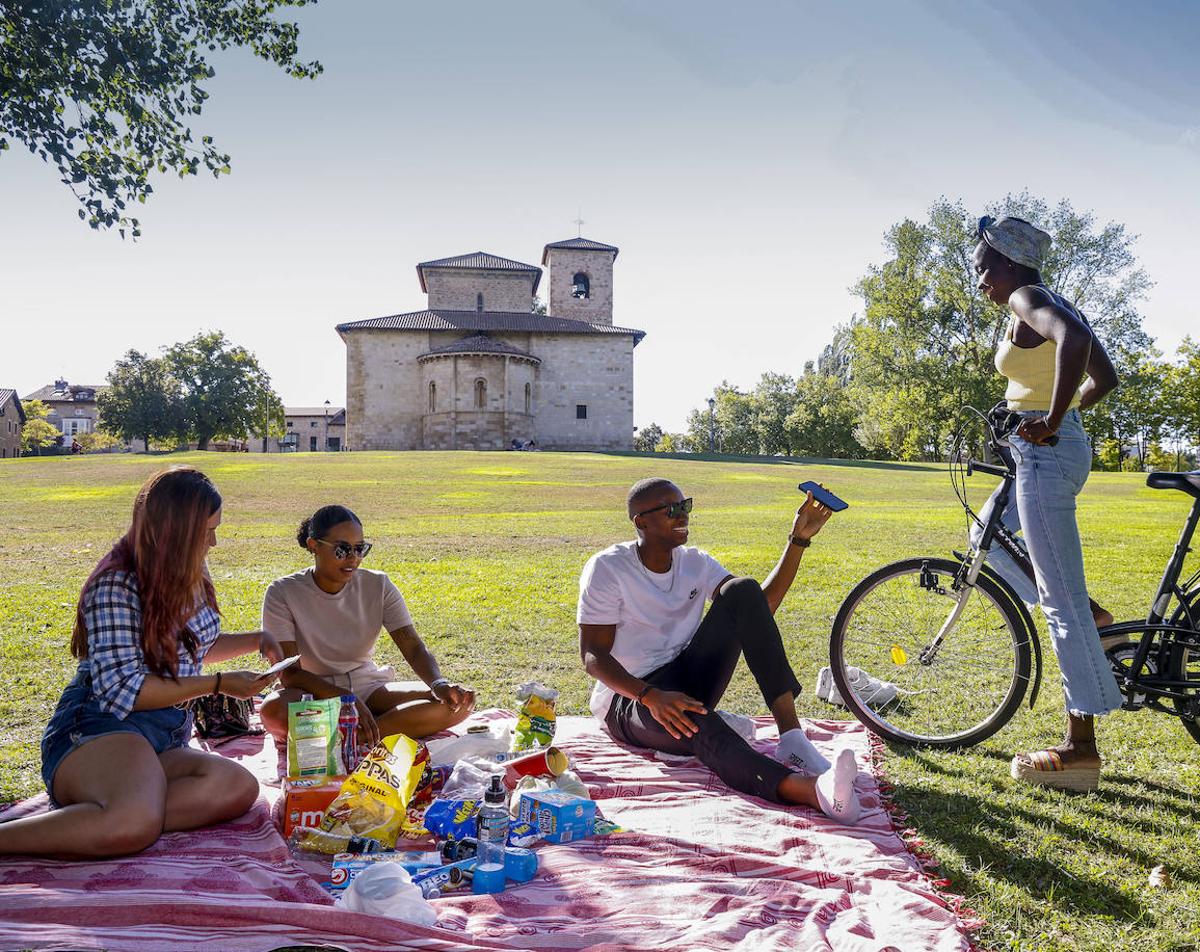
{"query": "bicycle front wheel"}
(920, 662)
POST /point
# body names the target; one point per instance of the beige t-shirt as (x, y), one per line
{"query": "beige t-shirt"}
(335, 633)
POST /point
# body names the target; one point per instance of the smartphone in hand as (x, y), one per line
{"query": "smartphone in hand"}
(276, 668)
(823, 496)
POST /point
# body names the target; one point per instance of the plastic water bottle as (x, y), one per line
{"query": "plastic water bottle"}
(348, 732)
(493, 823)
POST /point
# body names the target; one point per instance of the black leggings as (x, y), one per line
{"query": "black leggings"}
(739, 622)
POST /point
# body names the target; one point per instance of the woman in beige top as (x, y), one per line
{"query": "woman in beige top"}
(331, 614)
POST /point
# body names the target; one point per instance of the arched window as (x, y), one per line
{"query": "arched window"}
(432, 396)
(479, 301)
(581, 287)
(528, 398)
(480, 394)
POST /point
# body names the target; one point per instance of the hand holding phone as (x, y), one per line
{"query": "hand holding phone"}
(276, 668)
(823, 496)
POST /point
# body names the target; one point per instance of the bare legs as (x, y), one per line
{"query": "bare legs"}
(118, 797)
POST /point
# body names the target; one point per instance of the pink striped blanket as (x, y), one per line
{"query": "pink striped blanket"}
(700, 868)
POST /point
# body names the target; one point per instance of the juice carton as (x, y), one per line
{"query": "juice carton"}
(305, 800)
(560, 816)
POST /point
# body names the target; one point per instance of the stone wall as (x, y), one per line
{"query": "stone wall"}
(10, 430)
(598, 266)
(452, 418)
(383, 389)
(456, 289)
(594, 371)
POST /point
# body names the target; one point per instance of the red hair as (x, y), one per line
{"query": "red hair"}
(165, 548)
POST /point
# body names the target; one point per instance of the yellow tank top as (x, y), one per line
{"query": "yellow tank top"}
(1030, 372)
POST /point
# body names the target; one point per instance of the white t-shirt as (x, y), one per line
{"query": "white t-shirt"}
(334, 633)
(656, 615)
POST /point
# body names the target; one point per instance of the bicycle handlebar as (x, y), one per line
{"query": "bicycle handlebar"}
(991, 468)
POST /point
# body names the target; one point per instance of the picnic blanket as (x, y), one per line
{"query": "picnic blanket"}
(700, 867)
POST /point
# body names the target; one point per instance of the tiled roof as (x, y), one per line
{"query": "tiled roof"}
(51, 393)
(6, 395)
(479, 344)
(479, 260)
(580, 244)
(486, 321)
(313, 411)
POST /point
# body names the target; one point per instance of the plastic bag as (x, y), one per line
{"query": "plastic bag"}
(525, 785)
(491, 744)
(469, 779)
(374, 799)
(568, 782)
(312, 741)
(387, 889)
(536, 720)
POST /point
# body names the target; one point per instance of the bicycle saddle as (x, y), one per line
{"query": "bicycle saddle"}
(1184, 482)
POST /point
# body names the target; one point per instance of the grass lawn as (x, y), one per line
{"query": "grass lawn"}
(487, 549)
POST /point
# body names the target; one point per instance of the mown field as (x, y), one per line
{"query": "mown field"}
(487, 549)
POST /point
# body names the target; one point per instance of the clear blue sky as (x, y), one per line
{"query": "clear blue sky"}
(747, 159)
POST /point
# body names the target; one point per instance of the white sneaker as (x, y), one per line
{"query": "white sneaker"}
(871, 691)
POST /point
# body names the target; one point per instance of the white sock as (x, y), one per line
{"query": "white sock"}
(796, 751)
(835, 789)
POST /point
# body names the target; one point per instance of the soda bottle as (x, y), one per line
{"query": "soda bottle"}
(493, 823)
(348, 733)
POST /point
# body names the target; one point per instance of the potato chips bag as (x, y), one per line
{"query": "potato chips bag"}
(374, 799)
(535, 722)
(312, 741)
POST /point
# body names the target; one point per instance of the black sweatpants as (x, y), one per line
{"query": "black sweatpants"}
(738, 623)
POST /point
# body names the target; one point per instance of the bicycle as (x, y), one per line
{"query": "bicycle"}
(959, 645)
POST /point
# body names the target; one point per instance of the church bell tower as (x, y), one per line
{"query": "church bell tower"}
(581, 273)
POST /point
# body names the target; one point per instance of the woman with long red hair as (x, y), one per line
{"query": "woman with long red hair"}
(115, 755)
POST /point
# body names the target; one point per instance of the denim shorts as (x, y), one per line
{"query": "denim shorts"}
(79, 719)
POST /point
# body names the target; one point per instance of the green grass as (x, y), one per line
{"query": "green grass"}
(487, 549)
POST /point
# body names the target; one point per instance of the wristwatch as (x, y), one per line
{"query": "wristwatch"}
(436, 681)
(802, 543)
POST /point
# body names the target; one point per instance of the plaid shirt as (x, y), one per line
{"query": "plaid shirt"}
(112, 613)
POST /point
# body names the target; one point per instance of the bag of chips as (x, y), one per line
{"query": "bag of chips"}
(374, 800)
(535, 721)
(312, 741)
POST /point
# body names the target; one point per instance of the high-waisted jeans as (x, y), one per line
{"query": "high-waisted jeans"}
(1042, 505)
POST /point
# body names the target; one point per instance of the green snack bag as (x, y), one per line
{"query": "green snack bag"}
(535, 722)
(312, 743)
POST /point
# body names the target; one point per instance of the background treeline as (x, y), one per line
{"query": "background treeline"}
(890, 383)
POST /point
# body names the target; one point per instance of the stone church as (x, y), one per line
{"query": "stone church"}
(478, 368)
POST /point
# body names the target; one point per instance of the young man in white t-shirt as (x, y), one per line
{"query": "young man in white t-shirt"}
(661, 663)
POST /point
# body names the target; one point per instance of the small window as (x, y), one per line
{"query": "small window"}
(581, 411)
(479, 301)
(312, 425)
(312, 444)
(432, 396)
(480, 394)
(289, 424)
(581, 287)
(528, 398)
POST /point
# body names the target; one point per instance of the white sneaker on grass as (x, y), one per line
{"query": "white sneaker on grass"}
(871, 691)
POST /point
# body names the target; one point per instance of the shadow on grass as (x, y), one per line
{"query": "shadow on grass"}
(985, 827)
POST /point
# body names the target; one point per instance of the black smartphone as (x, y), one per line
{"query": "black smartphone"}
(823, 496)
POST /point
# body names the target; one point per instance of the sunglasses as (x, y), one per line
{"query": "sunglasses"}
(673, 509)
(342, 550)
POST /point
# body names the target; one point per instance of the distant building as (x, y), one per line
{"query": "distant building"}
(72, 407)
(479, 369)
(12, 419)
(307, 430)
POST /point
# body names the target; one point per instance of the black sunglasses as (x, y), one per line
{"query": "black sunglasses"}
(342, 550)
(674, 509)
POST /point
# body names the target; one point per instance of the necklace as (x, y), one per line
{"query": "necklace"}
(651, 575)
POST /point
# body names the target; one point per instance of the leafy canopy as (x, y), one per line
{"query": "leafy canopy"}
(106, 89)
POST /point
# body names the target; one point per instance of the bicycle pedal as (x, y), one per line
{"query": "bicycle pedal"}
(1121, 657)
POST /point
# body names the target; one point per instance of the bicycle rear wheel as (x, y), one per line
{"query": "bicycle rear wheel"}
(1185, 665)
(949, 692)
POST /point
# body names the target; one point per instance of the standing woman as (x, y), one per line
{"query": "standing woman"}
(331, 614)
(115, 759)
(1046, 353)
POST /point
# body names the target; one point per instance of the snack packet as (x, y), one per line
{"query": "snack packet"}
(312, 741)
(535, 721)
(374, 799)
(452, 819)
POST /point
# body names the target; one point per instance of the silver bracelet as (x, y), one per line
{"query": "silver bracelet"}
(436, 681)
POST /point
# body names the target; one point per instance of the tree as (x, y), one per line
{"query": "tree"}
(106, 89)
(774, 400)
(97, 441)
(647, 438)
(732, 424)
(225, 391)
(924, 344)
(539, 306)
(143, 401)
(822, 422)
(37, 434)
